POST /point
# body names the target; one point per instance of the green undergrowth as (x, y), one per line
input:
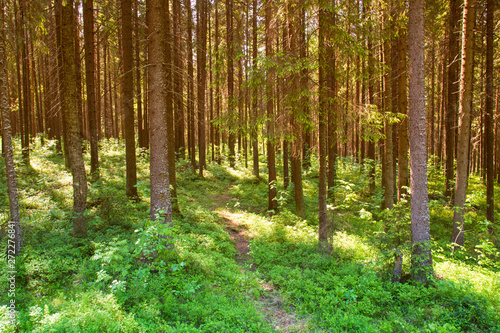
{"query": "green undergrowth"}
(124, 278)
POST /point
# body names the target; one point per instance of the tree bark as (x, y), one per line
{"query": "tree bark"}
(452, 107)
(88, 26)
(201, 63)
(254, 136)
(403, 127)
(489, 113)
(464, 121)
(271, 159)
(14, 224)
(72, 121)
(157, 78)
(190, 84)
(179, 123)
(230, 79)
(421, 258)
(323, 128)
(128, 98)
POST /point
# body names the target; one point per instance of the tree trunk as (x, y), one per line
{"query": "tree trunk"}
(421, 265)
(128, 98)
(190, 84)
(169, 111)
(403, 127)
(489, 113)
(26, 109)
(271, 159)
(179, 123)
(254, 136)
(464, 121)
(157, 76)
(452, 107)
(388, 183)
(15, 243)
(295, 123)
(72, 121)
(230, 79)
(217, 85)
(323, 128)
(201, 63)
(88, 25)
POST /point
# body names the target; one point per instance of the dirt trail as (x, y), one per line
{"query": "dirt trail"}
(270, 303)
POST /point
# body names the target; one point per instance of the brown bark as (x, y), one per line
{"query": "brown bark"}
(180, 144)
(452, 107)
(88, 26)
(403, 127)
(388, 178)
(169, 110)
(128, 98)
(217, 85)
(489, 113)
(26, 87)
(254, 137)
(271, 159)
(323, 128)
(72, 121)
(421, 265)
(201, 63)
(157, 76)
(190, 86)
(295, 123)
(230, 78)
(15, 241)
(464, 121)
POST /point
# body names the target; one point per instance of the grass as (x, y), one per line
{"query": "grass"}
(125, 279)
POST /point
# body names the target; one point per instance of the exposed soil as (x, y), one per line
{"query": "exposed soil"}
(270, 303)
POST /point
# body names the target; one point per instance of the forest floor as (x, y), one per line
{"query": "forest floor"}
(270, 302)
(228, 265)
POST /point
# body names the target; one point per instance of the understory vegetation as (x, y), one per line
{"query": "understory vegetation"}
(124, 278)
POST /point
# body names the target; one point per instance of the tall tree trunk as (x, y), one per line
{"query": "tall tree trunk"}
(304, 99)
(323, 127)
(26, 114)
(230, 79)
(15, 244)
(128, 98)
(72, 121)
(180, 144)
(218, 83)
(201, 63)
(157, 76)
(464, 121)
(452, 107)
(169, 110)
(421, 264)
(88, 26)
(254, 126)
(489, 113)
(190, 84)
(271, 159)
(331, 80)
(403, 127)
(388, 183)
(295, 123)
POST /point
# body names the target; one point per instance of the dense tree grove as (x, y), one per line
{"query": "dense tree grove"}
(287, 89)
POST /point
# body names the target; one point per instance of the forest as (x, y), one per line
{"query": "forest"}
(249, 166)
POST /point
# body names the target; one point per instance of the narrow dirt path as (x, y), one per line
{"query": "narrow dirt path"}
(270, 303)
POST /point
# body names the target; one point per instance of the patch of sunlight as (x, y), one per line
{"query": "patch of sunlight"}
(353, 247)
(479, 279)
